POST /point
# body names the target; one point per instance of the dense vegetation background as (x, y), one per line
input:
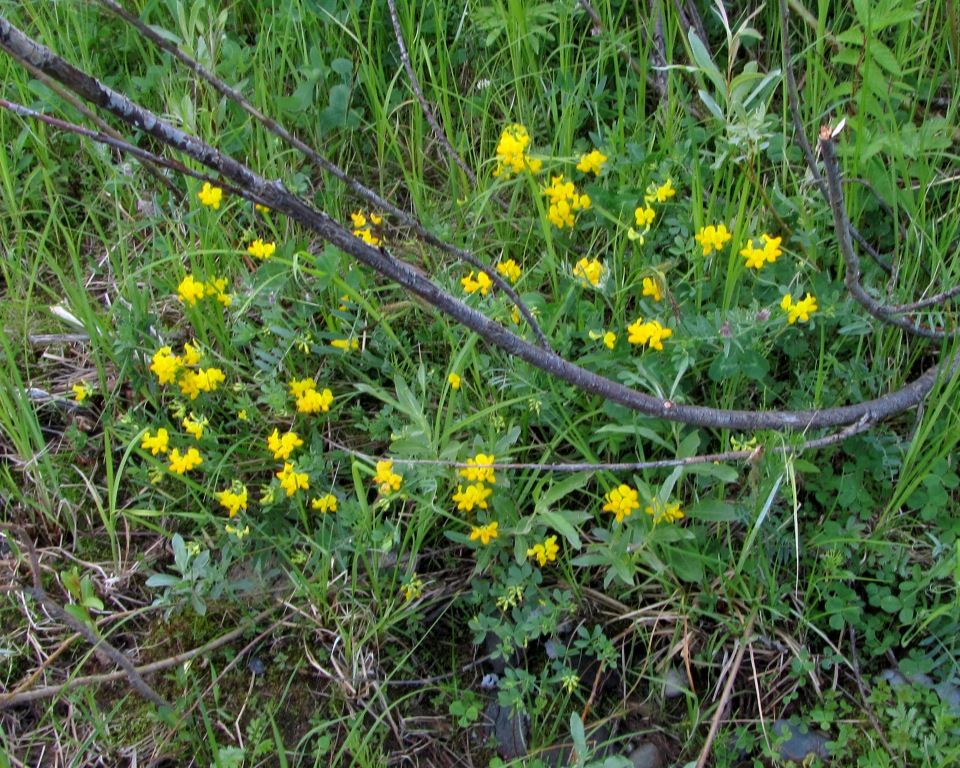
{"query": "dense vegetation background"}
(261, 506)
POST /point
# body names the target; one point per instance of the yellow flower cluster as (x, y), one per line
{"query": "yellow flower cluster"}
(480, 469)
(650, 333)
(621, 502)
(182, 463)
(474, 495)
(592, 162)
(645, 214)
(545, 552)
(233, 499)
(157, 443)
(478, 473)
(799, 311)
(309, 400)
(283, 446)
(483, 283)
(590, 271)
(669, 513)
(486, 533)
(194, 425)
(348, 344)
(261, 250)
(757, 257)
(292, 481)
(210, 196)
(363, 229)
(170, 368)
(512, 152)
(191, 290)
(565, 201)
(651, 288)
(386, 479)
(81, 391)
(509, 270)
(324, 504)
(712, 238)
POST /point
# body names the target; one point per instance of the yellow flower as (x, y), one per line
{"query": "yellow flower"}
(191, 355)
(512, 152)
(454, 379)
(242, 414)
(482, 283)
(664, 514)
(564, 202)
(261, 250)
(651, 333)
(282, 447)
(480, 469)
(359, 220)
(291, 481)
(218, 287)
(712, 238)
(592, 162)
(210, 196)
(190, 291)
(644, 216)
(413, 589)
(261, 208)
(386, 478)
(510, 270)
(546, 552)
(194, 426)
(238, 532)
(609, 339)
(192, 383)
(484, 532)
(299, 387)
(233, 501)
(346, 344)
(771, 247)
(651, 287)
(665, 191)
(324, 504)
(755, 257)
(473, 496)
(622, 501)
(166, 365)
(801, 310)
(313, 401)
(589, 271)
(157, 443)
(81, 391)
(179, 464)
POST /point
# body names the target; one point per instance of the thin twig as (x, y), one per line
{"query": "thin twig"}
(321, 162)
(851, 277)
(381, 260)
(89, 634)
(52, 691)
(424, 105)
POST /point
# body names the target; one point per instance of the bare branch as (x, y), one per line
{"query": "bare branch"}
(279, 198)
(366, 194)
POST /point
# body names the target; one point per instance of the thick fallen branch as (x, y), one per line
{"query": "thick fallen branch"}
(273, 193)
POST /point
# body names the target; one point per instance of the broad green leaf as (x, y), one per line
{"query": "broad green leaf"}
(702, 57)
(565, 523)
(557, 491)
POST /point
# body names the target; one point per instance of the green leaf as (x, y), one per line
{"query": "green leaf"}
(565, 523)
(557, 491)
(713, 511)
(702, 57)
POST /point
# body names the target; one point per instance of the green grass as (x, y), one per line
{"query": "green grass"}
(845, 559)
